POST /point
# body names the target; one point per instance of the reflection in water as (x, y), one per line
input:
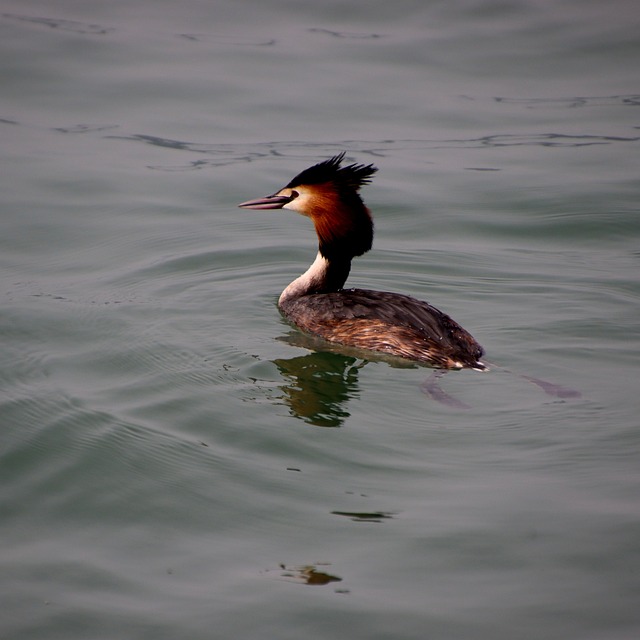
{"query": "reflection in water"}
(321, 382)
(364, 516)
(319, 385)
(432, 388)
(308, 574)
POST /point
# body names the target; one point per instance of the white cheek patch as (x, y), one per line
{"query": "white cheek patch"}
(301, 204)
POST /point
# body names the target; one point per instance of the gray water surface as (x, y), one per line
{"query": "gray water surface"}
(177, 462)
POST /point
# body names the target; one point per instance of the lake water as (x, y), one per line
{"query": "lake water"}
(177, 462)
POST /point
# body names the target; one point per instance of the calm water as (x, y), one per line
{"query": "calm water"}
(175, 462)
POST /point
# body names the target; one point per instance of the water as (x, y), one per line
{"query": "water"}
(174, 460)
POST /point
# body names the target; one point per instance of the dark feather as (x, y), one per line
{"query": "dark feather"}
(353, 176)
(389, 322)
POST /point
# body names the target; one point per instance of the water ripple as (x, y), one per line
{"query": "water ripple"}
(628, 100)
(93, 29)
(215, 155)
(74, 26)
(229, 154)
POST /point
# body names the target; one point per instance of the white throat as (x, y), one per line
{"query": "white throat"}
(311, 279)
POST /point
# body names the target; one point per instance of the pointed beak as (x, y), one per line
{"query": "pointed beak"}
(270, 202)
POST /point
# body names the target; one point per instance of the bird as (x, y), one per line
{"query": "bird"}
(387, 323)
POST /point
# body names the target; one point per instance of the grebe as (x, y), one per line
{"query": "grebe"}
(390, 323)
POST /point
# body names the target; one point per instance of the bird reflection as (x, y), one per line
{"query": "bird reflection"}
(319, 384)
(309, 574)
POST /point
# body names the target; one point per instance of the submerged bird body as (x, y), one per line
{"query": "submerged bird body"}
(316, 302)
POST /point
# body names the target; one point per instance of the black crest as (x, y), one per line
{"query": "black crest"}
(353, 176)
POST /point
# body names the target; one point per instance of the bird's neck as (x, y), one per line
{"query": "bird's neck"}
(323, 276)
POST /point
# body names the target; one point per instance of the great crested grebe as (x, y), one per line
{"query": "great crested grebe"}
(390, 323)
